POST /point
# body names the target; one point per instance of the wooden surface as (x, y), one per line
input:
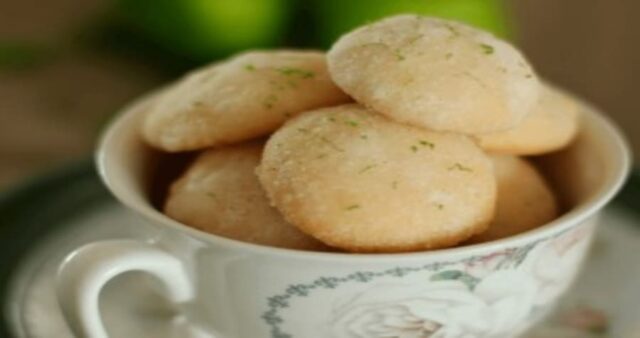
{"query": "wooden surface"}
(50, 114)
(591, 47)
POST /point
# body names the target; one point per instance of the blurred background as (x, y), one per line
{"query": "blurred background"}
(66, 66)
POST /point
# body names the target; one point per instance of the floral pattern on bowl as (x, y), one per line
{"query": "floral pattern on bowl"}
(480, 296)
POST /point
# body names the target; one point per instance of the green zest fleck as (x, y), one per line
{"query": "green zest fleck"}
(198, 104)
(448, 56)
(440, 206)
(212, 195)
(352, 123)
(332, 119)
(270, 101)
(367, 168)
(331, 144)
(353, 207)
(249, 67)
(426, 143)
(290, 71)
(364, 136)
(416, 38)
(458, 166)
(398, 54)
(376, 44)
(422, 143)
(278, 86)
(454, 32)
(292, 84)
(528, 76)
(323, 139)
(487, 49)
(475, 79)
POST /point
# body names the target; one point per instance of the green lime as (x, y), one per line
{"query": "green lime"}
(335, 17)
(209, 28)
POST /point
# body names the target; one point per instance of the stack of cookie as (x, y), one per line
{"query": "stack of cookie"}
(404, 137)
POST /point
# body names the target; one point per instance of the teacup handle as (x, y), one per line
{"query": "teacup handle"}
(84, 272)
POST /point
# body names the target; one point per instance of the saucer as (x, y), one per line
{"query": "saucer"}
(43, 221)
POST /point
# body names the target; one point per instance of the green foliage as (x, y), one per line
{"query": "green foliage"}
(339, 16)
(202, 29)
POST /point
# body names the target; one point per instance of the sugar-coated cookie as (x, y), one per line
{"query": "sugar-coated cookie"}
(358, 181)
(220, 194)
(434, 73)
(550, 126)
(248, 96)
(525, 201)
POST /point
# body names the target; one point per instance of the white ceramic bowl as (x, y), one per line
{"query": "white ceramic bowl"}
(233, 289)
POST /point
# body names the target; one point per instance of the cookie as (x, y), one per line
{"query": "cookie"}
(551, 126)
(434, 73)
(358, 181)
(525, 201)
(220, 194)
(248, 96)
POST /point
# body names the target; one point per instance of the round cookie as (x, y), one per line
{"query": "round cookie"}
(551, 126)
(245, 97)
(220, 194)
(433, 73)
(525, 201)
(358, 181)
